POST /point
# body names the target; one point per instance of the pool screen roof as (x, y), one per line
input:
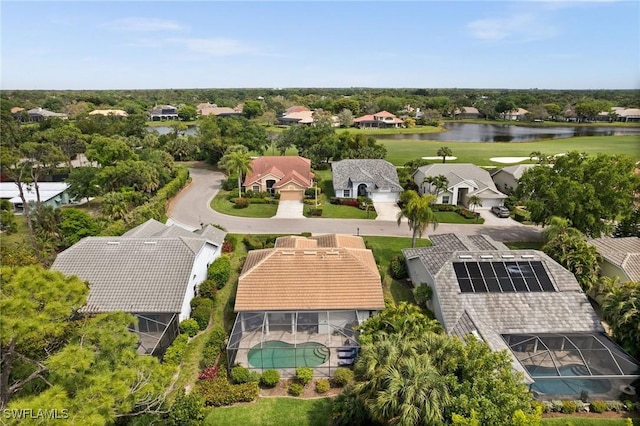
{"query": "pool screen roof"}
(575, 355)
(502, 277)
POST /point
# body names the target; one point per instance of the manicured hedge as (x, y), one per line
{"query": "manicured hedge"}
(219, 392)
(173, 354)
(214, 345)
(398, 268)
(219, 271)
(201, 308)
(208, 288)
(189, 327)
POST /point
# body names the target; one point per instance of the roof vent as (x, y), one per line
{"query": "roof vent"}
(507, 256)
(150, 242)
(288, 253)
(113, 243)
(486, 256)
(528, 256)
(310, 252)
(333, 252)
(465, 256)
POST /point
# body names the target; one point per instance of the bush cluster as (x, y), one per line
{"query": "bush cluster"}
(173, 354)
(209, 373)
(231, 183)
(8, 222)
(214, 345)
(398, 268)
(201, 308)
(187, 409)
(189, 327)
(351, 202)
(444, 208)
(240, 374)
(569, 407)
(295, 389)
(219, 271)
(315, 212)
(311, 192)
(521, 215)
(363, 202)
(270, 378)
(255, 242)
(208, 289)
(240, 203)
(468, 214)
(423, 294)
(304, 375)
(218, 392)
(342, 377)
(598, 406)
(322, 386)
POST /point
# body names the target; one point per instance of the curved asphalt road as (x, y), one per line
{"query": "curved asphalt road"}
(191, 208)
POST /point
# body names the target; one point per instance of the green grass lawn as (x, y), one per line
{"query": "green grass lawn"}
(222, 204)
(585, 421)
(479, 153)
(527, 245)
(274, 411)
(334, 211)
(384, 249)
(453, 217)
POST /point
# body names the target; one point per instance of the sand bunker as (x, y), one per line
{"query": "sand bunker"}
(440, 158)
(507, 160)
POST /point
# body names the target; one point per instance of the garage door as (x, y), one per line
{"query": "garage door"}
(384, 197)
(490, 202)
(292, 195)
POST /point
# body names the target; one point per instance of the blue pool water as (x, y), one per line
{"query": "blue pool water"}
(548, 382)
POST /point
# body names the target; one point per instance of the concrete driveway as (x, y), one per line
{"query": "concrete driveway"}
(387, 211)
(491, 219)
(191, 207)
(289, 209)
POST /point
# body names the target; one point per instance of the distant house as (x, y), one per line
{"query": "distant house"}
(110, 112)
(40, 114)
(52, 194)
(620, 257)
(288, 176)
(524, 302)
(19, 114)
(463, 181)
(376, 179)
(383, 119)
(152, 272)
(506, 178)
(299, 304)
(163, 112)
(209, 109)
(515, 115)
(296, 117)
(467, 112)
(627, 114)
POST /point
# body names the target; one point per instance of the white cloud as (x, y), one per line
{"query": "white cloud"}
(515, 28)
(144, 25)
(214, 46)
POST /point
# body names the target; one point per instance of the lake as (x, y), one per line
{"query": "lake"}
(473, 132)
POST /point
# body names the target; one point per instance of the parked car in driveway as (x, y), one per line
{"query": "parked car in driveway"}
(500, 211)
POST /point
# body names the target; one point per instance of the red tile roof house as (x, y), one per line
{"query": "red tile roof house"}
(381, 119)
(288, 176)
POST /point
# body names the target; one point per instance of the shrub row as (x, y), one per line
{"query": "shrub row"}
(521, 215)
(155, 208)
(398, 268)
(229, 244)
(219, 271)
(208, 288)
(214, 345)
(315, 212)
(173, 354)
(468, 214)
(351, 202)
(218, 392)
(240, 374)
(578, 406)
(201, 308)
(255, 242)
(189, 327)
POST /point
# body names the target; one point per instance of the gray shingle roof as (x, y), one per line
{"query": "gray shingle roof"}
(621, 252)
(213, 234)
(153, 228)
(494, 314)
(382, 173)
(456, 173)
(132, 274)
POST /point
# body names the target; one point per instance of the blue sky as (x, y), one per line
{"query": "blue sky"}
(425, 44)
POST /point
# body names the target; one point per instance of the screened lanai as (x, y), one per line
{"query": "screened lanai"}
(286, 340)
(577, 365)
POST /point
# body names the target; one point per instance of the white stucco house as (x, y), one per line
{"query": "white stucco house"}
(376, 179)
(462, 181)
(507, 178)
(152, 272)
(52, 194)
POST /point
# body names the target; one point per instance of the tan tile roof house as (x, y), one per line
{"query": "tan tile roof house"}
(332, 272)
(287, 175)
(379, 119)
(211, 109)
(524, 302)
(114, 112)
(620, 257)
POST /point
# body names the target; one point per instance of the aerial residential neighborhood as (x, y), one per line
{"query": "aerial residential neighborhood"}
(327, 214)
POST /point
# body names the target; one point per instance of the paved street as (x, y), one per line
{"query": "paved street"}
(191, 208)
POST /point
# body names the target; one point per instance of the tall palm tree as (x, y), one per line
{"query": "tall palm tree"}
(621, 308)
(560, 226)
(444, 152)
(419, 214)
(474, 201)
(441, 183)
(236, 159)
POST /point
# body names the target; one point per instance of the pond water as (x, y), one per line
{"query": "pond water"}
(473, 132)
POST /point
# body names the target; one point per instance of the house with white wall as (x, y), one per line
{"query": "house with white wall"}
(376, 179)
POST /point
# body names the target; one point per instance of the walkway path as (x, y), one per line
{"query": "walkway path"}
(191, 207)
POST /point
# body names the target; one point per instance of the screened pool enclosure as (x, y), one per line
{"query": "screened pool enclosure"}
(576, 366)
(322, 340)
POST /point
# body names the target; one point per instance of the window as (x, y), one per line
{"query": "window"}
(346, 193)
(255, 188)
(445, 199)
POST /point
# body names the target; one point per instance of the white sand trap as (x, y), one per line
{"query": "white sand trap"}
(440, 158)
(560, 155)
(507, 160)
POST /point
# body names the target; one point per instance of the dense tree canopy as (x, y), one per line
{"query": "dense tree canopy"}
(591, 192)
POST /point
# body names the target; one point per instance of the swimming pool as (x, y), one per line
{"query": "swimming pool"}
(278, 354)
(548, 382)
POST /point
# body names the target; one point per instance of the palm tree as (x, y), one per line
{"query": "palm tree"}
(621, 309)
(236, 159)
(560, 226)
(440, 183)
(418, 212)
(444, 152)
(474, 201)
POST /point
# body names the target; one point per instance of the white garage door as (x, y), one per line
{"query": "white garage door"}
(490, 202)
(384, 197)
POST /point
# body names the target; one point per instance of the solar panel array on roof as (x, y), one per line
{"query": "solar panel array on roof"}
(502, 277)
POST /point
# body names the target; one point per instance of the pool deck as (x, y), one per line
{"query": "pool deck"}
(333, 342)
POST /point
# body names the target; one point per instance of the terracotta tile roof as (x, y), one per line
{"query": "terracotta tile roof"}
(378, 116)
(384, 114)
(292, 176)
(297, 276)
(115, 112)
(340, 240)
(295, 108)
(16, 109)
(280, 166)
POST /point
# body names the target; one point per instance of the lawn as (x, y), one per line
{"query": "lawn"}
(479, 153)
(384, 249)
(335, 211)
(453, 217)
(527, 245)
(221, 204)
(274, 411)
